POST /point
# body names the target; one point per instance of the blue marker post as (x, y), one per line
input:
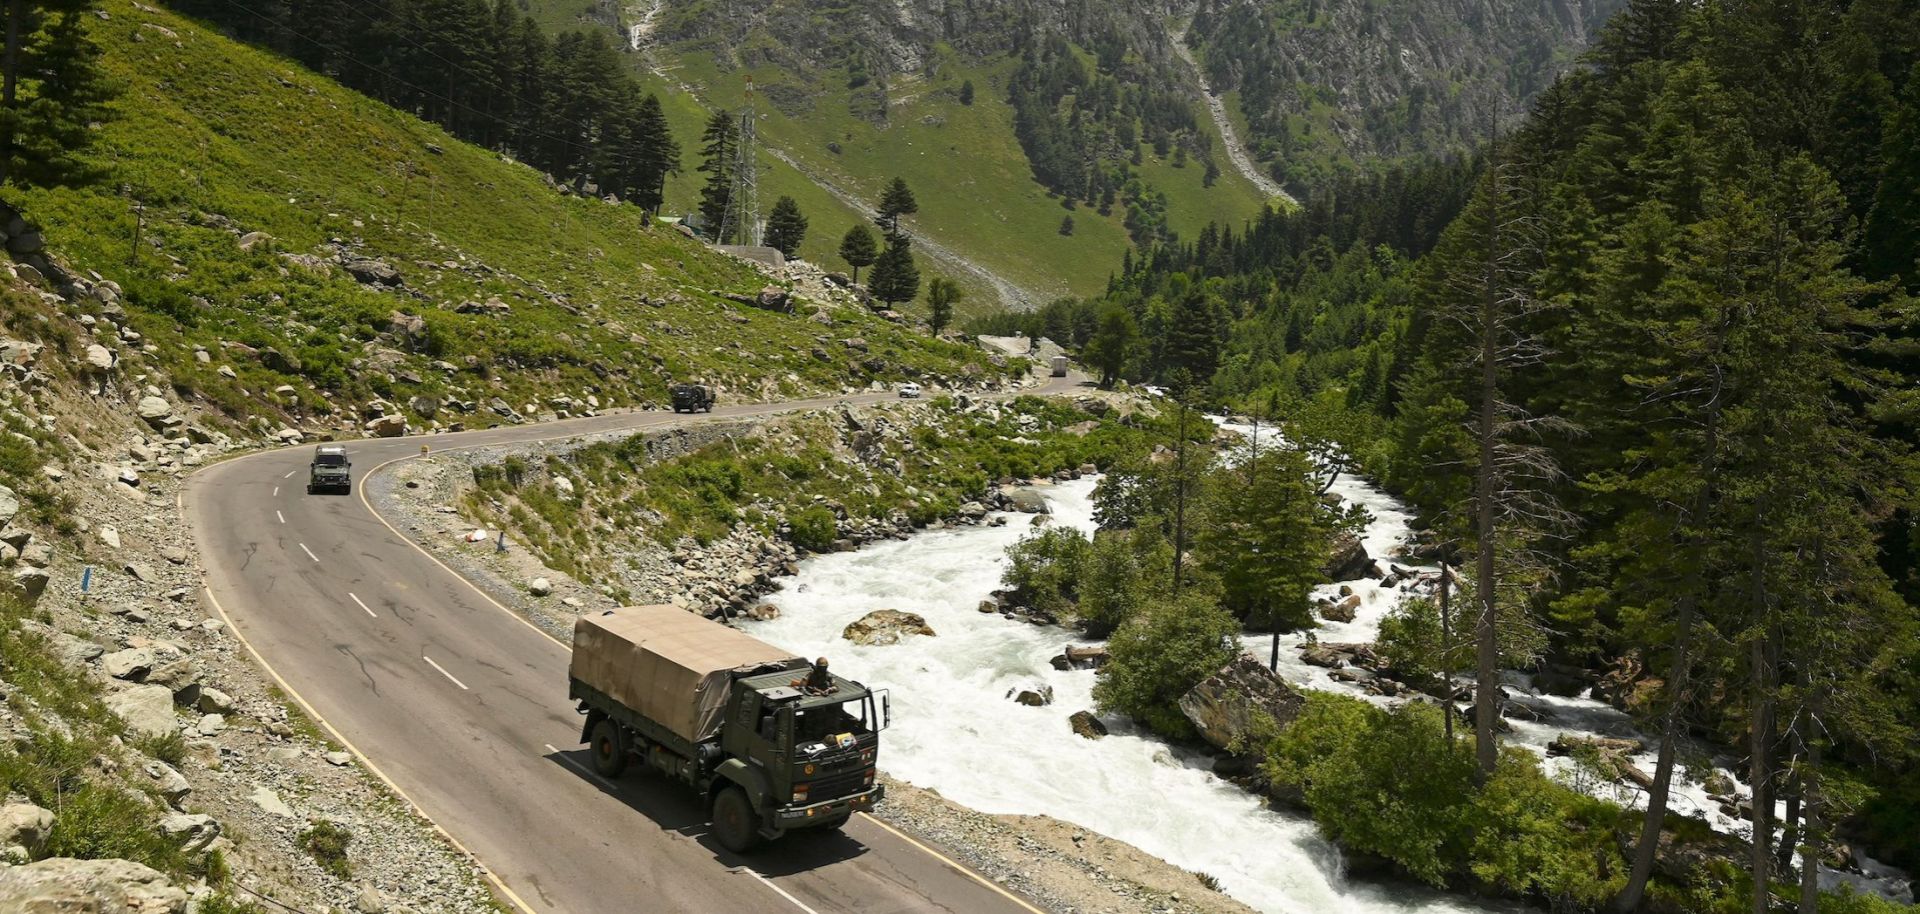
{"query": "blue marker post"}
(86, 581)
(501, 544)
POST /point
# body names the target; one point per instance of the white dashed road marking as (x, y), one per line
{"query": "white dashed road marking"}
(309, 552)
(443, 672)
(362, 605)
(283, 517)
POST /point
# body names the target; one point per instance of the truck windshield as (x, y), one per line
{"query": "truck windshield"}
(813, 725)
(330, 460)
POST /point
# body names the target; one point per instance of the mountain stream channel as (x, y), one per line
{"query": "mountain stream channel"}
(955, 728)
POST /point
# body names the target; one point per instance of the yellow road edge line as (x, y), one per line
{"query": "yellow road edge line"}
(943, 858)
(486, 871)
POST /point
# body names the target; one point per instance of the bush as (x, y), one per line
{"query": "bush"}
(1540, 839)
(1160, 655)
(1044, 570)
(327, 842)
(1384, 783)
(168, 747)
(1122, 572)
(814, 529)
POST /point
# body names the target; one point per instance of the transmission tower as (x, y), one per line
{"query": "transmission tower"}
(743, 198)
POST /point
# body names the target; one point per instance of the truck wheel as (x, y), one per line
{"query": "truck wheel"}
(734, 822)
(609, 749)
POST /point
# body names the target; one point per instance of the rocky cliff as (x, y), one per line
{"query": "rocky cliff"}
(1327, 83)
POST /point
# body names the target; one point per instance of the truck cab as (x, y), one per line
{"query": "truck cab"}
(330, 470)
(806, 756)
(692, 398)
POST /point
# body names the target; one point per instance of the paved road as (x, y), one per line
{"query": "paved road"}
(463, 707)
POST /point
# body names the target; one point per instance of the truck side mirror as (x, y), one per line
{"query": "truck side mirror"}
(886, 709)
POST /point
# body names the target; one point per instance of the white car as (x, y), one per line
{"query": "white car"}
(910, 391)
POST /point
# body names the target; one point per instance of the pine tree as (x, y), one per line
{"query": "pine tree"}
(717, 151)
(1265, 536)
(896, 278)
(659, 154)
(1066, 225)
(966, 92)
(897, 201)
(1192, 340)
(942, 293)
(1116, 337)
(786, 226)
(858, 249)
(52, 90)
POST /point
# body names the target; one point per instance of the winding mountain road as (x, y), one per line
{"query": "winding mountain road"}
(461, 705)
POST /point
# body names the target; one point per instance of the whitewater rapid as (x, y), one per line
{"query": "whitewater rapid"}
(956, 728)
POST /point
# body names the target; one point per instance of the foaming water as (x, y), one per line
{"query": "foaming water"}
(957, 729)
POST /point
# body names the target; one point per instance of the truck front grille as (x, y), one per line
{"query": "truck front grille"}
(835, 786)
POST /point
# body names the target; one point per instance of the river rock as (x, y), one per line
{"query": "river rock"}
(63, 885)
(1223, 706)
(885, 626)
(1035, 697)
(1087, 725)
(1081, 658)
(1028, 501)
(1347, 560)
(146, 709)
(1342, 611)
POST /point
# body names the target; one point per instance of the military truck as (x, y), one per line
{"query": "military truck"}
(692, 398)
(330, 470)
(773, 743)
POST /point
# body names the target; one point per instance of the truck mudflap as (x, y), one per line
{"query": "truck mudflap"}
(830, 810)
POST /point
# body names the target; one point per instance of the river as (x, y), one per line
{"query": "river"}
(956, 728)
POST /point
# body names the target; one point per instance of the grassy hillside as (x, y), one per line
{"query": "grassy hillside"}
(214, 140)
(975, 187)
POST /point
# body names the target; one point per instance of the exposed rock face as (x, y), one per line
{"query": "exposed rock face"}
(65, 886)
(25, 826)
(373, 272)
(885, 626)
(1222, 706)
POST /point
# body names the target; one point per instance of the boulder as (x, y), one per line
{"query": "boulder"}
(9, 504)
(169, 780)
(270, 803)
(26, 826)
(142, 572)
(1028, 501)
(132, 663)
(154, 410)
(392, 426)
(540, 587)
(372, 272)
(146, 709)
(100, 358)
(1342, 611)
(31, 582)
(63, 885)
(1087, 725)
(1035, 697)
(193, 831)
(1223, 706)
(885, 626)
(214, 701)
(252, 240)
(1081, 658)
(1347, 560)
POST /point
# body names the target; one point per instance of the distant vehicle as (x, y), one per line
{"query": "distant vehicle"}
(1059, 366)
(692, 398)
(773, 743)
(330, 470)
(910, 390)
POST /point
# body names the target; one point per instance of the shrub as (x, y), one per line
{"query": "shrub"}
(327, 843)
(1161, 654)
(1385, 783)
(1044, 569)
(168, 747)
(814, 529)
(1540, 839)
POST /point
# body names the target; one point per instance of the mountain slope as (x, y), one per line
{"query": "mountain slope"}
(506, 289)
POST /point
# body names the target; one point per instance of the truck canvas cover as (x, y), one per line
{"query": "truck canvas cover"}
(670, 665)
